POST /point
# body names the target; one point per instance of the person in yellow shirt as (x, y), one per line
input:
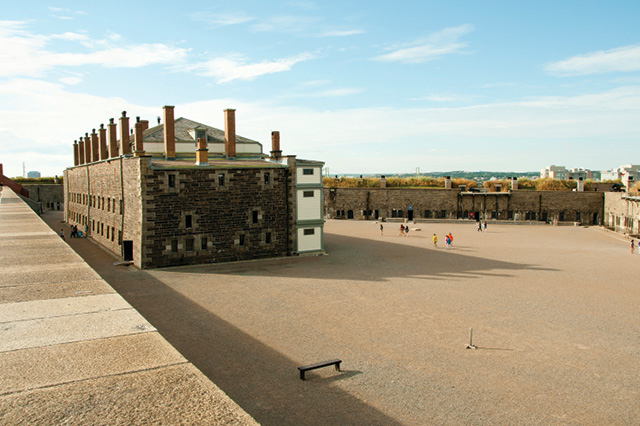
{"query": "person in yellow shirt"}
(435, 241)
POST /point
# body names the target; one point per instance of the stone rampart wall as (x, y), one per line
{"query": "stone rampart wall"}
(622, 213)
(372, 203)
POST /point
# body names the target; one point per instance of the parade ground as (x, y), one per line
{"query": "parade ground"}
(555, 313)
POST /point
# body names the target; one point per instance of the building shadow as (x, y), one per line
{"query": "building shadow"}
(264, 382)
(351, 258)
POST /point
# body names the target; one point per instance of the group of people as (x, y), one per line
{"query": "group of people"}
(633, 247)
(404, 231)
(448, 240)
(481, 225)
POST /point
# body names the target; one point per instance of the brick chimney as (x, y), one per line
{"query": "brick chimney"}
(125, 143)
(95, 146)
(580, 185)
(230, 133)
(87, 148)
(102, 138)
(514, 183)
(76, 157)
(80, 151)
(202, 153)
(138, 136)
(113, 138)
(276, 154)
(447, 182)
(169, 133)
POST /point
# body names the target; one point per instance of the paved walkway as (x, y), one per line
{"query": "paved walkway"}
(74, 352)
(555, 312)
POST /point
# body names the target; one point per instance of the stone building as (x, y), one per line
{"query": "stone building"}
(430, 203)
(622, 212)
(198, 195)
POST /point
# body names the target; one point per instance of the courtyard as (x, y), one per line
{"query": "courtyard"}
(555, 313)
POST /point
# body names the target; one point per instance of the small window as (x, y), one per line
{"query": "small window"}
(108, 204)
(187, 221)
(93, 225)
(102, 229)
(174, 246)
(309, 231)
(189, 245)
(254, 216)
(307, 194)
(119, 238)
(267, 178)
(172, 181)
(307, 171)
(102, 203)
(267, 238)
(203, 243)
(241, 240)
(107, 232)
(221, 179)
(113, 233)
(121, 206)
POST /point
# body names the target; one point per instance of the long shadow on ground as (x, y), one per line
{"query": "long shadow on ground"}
(262, 381)
(371, 260)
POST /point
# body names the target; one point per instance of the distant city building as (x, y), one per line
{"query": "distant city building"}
(33, 174)
(561, 172)
(628, 174)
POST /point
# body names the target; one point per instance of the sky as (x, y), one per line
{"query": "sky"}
(365, 86)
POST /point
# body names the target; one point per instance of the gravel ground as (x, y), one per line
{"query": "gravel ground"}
(555, 313)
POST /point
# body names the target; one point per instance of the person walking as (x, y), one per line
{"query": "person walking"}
(401, 233)
(435, 241)
(485, 225)
(450, 239)
(479, 227)
(632, 246)
(381, 228)
(406, 231)
(447, 241)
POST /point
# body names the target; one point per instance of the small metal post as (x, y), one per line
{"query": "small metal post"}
(471, 345)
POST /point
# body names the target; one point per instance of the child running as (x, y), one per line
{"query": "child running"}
(401, 233)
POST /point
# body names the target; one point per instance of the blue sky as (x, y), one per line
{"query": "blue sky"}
(365, 86)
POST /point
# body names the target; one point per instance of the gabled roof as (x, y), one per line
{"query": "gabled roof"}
(183, 126)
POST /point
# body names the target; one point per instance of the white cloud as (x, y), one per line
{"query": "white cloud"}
(339, 33)
(429, 48)
(329, 93)
(46, 118)
(287, 24)
(236, 67)
(70, 81)
(26, 54)
(621, 59)
(221, 19)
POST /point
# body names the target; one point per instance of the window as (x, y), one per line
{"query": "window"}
(172, 181)
(577, 216)
(121, 206)
(221, 179)
(254, 216)
(189, 245)
(113, 233)
(203, 243)
(309, 231)
(187, 221)
(174, 246)
(102, 203)
(427, 214)
(267, 178)
(108, 204)
(241, 240)
(102, 229)
(107, 232)
(443, 214)
(267, 238)
(119, 238)
(93, 225)
(307, 171)
(307, 194)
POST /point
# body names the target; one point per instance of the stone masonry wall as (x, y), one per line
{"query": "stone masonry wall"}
(213, 215)
(51, 197)
(94, 202)
(622, 213)
(370, 203)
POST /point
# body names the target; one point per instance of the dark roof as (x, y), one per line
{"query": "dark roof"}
(183, 125)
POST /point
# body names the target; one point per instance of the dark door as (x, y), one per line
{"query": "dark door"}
(127, 246)
(377, 213)
(410, 215)
(350, 214)
(477, 216)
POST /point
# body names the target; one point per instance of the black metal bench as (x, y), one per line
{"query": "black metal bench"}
(306, 368)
